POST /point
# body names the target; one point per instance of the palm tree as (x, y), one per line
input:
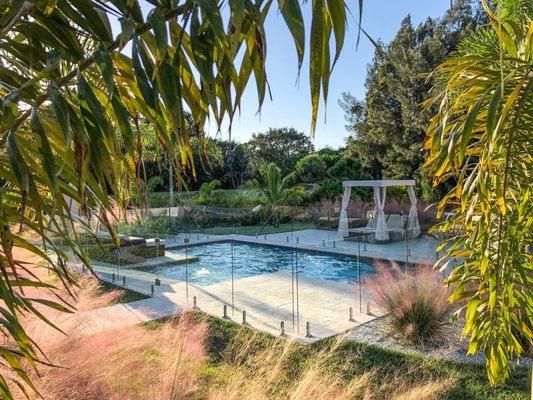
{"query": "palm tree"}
(275, 192)
(480, 138)
(207, 192)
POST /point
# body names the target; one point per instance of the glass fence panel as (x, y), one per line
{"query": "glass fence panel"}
(276, 269)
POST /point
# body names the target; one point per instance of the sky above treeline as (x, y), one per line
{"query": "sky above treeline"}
(290, 105)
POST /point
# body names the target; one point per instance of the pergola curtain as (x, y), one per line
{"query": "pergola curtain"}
(413, 226)
(381, 223)
(343, 219)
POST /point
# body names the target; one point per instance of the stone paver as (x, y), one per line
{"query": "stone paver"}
(170, 258)
(267, 299)
(124, 315)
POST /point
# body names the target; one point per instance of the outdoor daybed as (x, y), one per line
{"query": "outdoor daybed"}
(381, 228)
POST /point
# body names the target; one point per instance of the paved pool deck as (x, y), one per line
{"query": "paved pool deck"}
(268, 299)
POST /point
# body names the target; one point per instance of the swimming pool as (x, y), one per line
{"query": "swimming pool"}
(214, 265)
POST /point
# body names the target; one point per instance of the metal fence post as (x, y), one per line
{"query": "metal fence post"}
(292, 290)
(297, 292)
(118, 261)
(406, 251)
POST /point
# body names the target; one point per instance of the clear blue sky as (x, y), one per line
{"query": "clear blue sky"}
(290, 105)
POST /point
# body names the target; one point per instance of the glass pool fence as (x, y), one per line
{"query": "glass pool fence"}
(285, 271)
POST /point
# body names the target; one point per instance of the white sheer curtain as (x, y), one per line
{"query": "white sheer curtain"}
(381, 224)
(343, 219)
(412, 223)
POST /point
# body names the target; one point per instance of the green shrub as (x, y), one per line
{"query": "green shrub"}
(150, 227)
(156, 183)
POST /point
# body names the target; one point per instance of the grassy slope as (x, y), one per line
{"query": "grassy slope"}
(471, 379)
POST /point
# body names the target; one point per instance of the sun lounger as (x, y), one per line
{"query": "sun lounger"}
(369, 228)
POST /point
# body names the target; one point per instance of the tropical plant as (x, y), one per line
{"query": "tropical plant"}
(346, 169)
(275, 191)
(67, 83)
(480, 139)
(415, 301)
(207, 193)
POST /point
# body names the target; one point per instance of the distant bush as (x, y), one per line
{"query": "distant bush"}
(158, 200)
(311, 169)
(151, 227)
(156, 183)
(417, 302)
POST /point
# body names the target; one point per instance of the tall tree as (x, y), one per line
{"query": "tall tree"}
(282, 146)
(67, 81)
(481, 138)
(389, 126)
(235, 169)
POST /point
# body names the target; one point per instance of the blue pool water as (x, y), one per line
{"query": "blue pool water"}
(214, 265)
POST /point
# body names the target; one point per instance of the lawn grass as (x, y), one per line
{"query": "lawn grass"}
(251, 230)
(127, 295)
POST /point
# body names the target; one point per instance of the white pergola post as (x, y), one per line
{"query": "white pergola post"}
(413, 225)
(380, 193)
(343, 218)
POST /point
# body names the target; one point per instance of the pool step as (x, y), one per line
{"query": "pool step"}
(170, 258)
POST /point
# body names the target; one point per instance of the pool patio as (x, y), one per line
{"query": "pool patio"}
(272, 298)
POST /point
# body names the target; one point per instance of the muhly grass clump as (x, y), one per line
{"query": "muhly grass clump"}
(416, 302)
(126, 363)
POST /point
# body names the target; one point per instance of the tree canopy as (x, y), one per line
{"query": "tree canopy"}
(388, 127)
(282, 146)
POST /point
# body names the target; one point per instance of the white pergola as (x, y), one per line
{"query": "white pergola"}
(380, 193)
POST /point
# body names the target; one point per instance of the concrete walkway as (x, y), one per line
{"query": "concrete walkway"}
(267, 299)
(124, 315)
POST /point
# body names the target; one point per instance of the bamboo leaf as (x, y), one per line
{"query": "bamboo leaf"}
(292, 13)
